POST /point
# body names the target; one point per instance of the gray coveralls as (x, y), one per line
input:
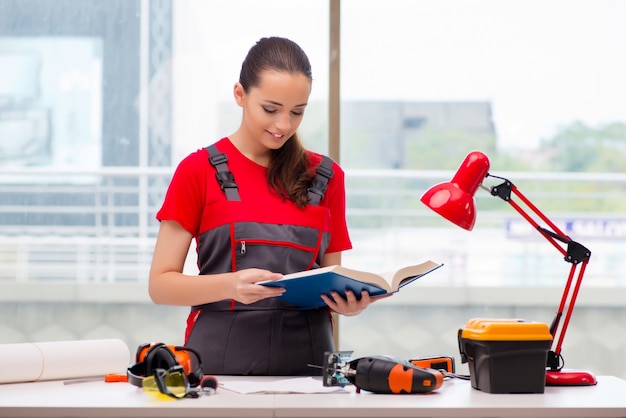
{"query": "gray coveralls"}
(268, 337)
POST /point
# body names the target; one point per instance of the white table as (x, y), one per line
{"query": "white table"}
(455, 398)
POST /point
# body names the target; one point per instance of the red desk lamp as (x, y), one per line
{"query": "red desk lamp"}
(454, 201)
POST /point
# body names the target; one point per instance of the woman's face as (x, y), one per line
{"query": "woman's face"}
(273, 111)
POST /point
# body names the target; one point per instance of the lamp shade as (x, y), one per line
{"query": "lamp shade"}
(454, 200)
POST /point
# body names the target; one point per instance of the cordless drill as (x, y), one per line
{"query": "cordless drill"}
(379, 374)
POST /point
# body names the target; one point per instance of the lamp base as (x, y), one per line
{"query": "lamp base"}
(570, 378)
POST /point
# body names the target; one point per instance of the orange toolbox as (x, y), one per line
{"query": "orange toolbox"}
(505, 355)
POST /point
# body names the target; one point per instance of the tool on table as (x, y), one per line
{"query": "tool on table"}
(444, 364)
(173, 371)
(441, 363)
(378, 374)
(109, 378)
(208, 385)
(173, 383)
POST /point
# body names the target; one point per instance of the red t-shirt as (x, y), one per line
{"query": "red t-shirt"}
(193, 184)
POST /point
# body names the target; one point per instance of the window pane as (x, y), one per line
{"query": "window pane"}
(209, 51)
(99, 101)
(535, 85)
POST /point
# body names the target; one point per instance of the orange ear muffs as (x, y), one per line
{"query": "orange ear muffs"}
(161, 356)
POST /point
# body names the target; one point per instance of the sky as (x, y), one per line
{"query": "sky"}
(541, 63)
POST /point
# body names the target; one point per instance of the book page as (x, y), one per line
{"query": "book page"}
(389, 282)
(362, 276)
(365, 277)
(407, 274)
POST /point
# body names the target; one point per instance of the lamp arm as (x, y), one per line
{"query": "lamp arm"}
(557, 237)
(553, 362)
(504, 192)
(574, 253)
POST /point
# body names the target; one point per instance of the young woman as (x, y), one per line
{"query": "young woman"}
(258, 206)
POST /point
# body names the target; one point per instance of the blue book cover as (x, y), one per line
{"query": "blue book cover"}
(304, 288)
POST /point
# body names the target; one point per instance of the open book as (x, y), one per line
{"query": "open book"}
(305, 287)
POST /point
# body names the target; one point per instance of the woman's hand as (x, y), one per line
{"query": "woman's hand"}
(246, 289)
(351, 306)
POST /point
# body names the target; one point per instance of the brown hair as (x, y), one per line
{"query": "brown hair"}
(288, 173)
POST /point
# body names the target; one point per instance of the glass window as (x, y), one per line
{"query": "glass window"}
(100, 100)
(537, 86)
(209, 49)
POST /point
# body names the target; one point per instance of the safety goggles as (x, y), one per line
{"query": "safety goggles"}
(172, 382)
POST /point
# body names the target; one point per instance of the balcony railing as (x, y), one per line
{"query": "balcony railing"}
(99, 226)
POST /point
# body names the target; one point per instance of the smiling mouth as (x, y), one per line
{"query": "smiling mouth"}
(277, 136)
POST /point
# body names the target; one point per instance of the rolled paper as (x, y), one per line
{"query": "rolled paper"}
(30, 362)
